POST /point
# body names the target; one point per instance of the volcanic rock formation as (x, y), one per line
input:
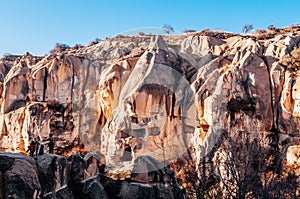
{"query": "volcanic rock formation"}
(154, 95)
(52, 176)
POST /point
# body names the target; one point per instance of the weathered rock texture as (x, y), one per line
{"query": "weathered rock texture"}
(131, 96)
(53, 176)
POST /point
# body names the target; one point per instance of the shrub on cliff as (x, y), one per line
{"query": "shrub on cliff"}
(168, 29)
(59, 47)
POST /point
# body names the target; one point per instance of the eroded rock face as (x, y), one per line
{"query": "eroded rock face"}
(130, 96)
(49, 176)
(238, 84)
(155, 115)
(54, 176)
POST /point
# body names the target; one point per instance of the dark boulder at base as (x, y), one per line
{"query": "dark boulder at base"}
(21, 180)
(54, 172)
(85, 178)
(56, 177)
(62, 193)
(143, 191)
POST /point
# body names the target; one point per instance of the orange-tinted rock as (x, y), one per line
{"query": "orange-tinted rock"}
(154, 95)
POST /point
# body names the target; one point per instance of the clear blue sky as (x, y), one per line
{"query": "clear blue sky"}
(36, 25)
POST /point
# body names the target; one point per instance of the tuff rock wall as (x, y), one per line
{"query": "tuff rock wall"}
(154, 95)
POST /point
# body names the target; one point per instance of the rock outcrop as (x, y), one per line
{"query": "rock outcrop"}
(127, 97)
(52, 176)
(19, 177)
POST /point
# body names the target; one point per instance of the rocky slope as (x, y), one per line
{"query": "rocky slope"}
(158, 96)
(52, 176)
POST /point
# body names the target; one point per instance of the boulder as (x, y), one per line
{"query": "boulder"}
(54, 173)
(21, 180)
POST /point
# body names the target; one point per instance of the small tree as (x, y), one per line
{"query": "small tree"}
(238, 163)
(247, 28)
(197, 179)
(168, 28)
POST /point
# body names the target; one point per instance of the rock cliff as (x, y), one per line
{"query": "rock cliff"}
(156, 95)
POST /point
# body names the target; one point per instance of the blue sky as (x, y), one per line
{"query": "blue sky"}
(36, 25)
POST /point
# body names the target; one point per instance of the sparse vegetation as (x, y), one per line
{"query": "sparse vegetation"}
(59, 47)
(241, 166)
(77, 46)
(168, 28)
(247, 28)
